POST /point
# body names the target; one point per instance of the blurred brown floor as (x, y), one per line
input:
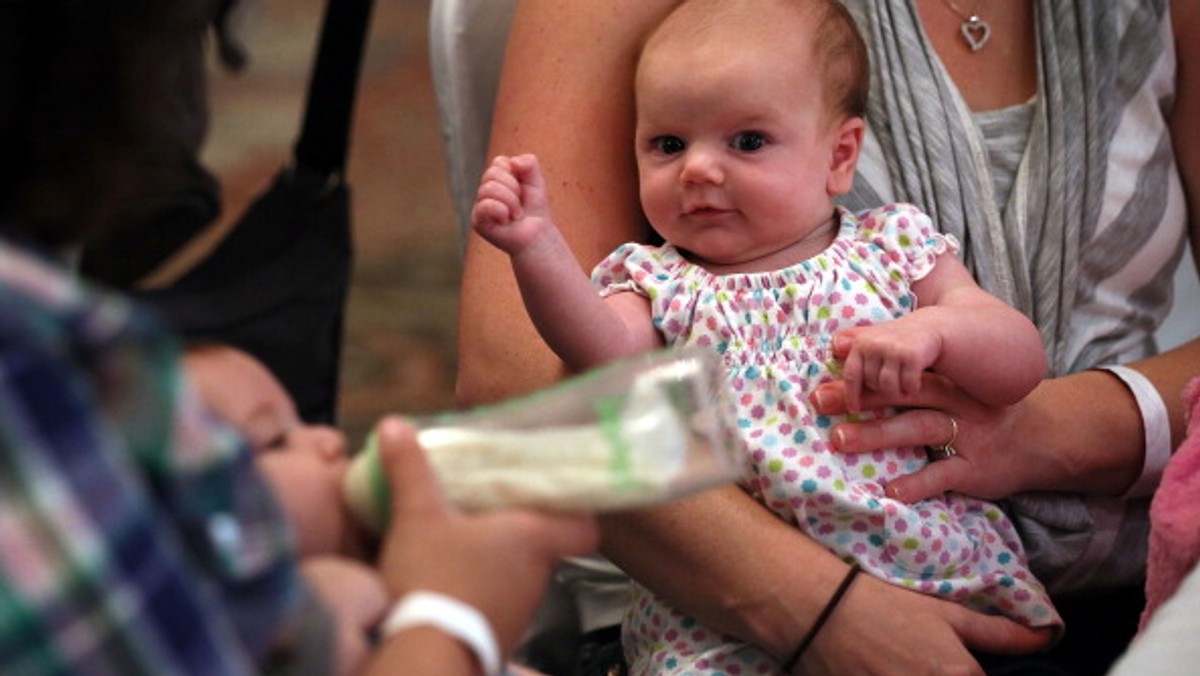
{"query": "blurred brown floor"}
(400, 330)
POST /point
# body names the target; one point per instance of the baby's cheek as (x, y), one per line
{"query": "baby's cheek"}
(309, 491)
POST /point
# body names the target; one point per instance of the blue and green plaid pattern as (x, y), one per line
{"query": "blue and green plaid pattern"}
(135, 535)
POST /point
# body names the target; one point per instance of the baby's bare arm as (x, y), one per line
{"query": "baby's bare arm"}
(985, 346)
(512, 213)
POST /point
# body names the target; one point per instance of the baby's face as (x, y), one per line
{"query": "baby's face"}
(307, 479)
(734, 144)
(242, 391)
(303, 463)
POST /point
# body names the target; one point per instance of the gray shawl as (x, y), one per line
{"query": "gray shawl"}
(1042, 253)
(1030, 255)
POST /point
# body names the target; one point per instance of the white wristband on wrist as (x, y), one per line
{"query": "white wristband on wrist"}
(450, 615)
(1157, 426)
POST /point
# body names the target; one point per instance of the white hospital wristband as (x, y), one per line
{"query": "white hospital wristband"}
(451, 616)
(1157, 426)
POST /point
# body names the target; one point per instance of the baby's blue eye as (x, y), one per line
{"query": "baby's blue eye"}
(749, 141)
(668, 145)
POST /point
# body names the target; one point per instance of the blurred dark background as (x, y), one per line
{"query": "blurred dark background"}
(401, 321)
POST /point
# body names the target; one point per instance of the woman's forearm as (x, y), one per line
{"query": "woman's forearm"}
(1073, 434)
(727, 561)
(1105, 455)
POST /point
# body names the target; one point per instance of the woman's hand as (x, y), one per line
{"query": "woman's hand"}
(742, 571)
(1035, 444)
(882, 629)
(497, 562)
(976, 468)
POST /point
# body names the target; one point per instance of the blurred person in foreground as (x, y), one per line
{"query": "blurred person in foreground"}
(136, 535)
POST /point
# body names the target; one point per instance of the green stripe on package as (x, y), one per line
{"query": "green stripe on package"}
(634, 433)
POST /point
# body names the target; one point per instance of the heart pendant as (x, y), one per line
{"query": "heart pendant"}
(976, 32)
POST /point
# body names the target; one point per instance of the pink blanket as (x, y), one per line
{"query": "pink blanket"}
(1175, 514)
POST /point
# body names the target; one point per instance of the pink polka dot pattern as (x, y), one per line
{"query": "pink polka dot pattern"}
(773, 331)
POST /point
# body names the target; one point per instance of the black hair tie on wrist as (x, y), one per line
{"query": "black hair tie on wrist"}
(855, 569)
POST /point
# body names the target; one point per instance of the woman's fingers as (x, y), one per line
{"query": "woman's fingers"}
(914, 427)
(934, 391)
(999, 635)
(415, 488)
(923, 418)
(910, 428)
(964, 433)
(935, 478)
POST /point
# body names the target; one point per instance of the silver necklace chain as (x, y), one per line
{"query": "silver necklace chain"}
(975, 31)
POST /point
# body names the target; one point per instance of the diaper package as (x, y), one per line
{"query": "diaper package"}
(634, 433)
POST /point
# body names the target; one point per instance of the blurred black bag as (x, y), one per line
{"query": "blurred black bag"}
(276, 286)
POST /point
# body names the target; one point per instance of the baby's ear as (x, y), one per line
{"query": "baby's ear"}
(844, 158)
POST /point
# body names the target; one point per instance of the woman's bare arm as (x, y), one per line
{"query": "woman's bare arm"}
(742, 571)
(566, 95)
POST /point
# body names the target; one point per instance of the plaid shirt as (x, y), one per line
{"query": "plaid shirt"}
(135, 535)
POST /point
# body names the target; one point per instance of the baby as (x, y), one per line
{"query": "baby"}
(749, 124)
(303, 463)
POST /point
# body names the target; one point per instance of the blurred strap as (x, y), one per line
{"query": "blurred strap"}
(325, 136)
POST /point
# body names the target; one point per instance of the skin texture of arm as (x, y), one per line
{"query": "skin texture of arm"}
(566, 96)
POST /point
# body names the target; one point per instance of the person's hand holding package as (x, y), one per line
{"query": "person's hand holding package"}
(496, 562)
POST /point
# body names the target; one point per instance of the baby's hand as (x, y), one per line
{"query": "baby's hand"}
(356, 597)
(510, 206)
(886, 358)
